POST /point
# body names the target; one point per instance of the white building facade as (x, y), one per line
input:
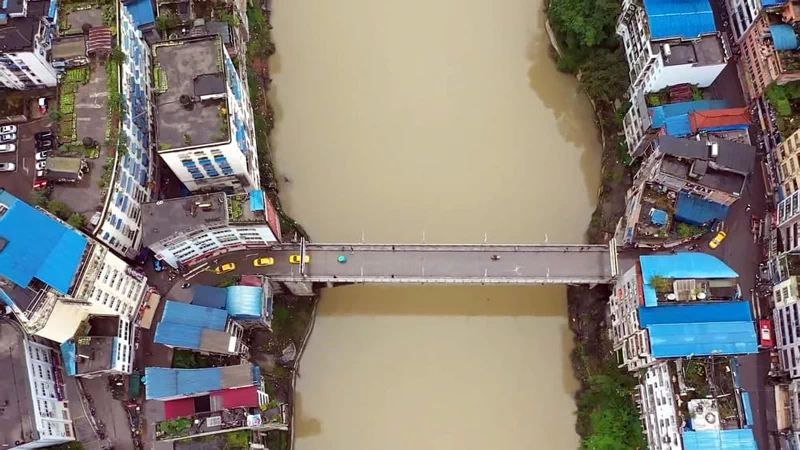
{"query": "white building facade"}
(786, 315)
(743, 14)
(629, 340)
(131, 185)
(25, 61)
(659, 414)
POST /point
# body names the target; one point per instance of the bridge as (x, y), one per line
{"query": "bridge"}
(427, 263)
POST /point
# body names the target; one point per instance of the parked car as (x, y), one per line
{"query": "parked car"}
(765, 333)
(227, 267)
(7, 148)
(44, 135)
(8, 167)
(41, 173)
(718, 239)
(95, 220)
(38, 185)
(44, 144)
(42, 156)
(157, 265)
(8, 129)
(41, 165)
(261, 262)
(295, 259)
(8, 137)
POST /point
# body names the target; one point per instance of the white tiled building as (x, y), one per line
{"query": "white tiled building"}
(787, 325)
(630, 341)
(26, 33)
(131, 185)
(659, 414)
(742, 14)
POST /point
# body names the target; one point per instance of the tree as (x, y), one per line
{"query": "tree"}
(584, 23)
(76, 220)
(660, 283)
(117, 56)
(605, 74)
(55, 115)
(40, 198)
(58, 209)
(166, 21)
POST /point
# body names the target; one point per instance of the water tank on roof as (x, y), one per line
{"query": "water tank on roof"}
(667, 50)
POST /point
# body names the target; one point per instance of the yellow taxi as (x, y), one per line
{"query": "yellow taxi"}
(295, 259)
(225, 268)
(261, 262)
(718, 239)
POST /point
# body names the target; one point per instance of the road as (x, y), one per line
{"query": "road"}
(386, 263)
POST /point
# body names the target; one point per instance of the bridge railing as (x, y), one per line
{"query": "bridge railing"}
(345, 247)
(441, 280)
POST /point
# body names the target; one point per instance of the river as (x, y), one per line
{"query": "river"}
(444, 121)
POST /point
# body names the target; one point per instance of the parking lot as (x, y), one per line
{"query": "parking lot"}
(20, 182)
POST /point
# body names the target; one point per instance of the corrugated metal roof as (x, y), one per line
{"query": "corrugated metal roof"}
(678, 126)
(680, 265)
(783, 36)
(768, 3)
(100, 39)
(208, 296)
(180, 407)
(660, 113)
(707, 119)
(141, 11)
(163, 382)
(193, 315)
(684, 18)
(69, 354)
(245, 302)
(697, 211)
(742, 439)
(177, 335)
(38, 246)
(232, 398)
(748, 408)
(699, 329)
(257, 200)
(732, 155)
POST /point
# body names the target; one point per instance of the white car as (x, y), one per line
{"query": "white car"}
(41, 165)
(8, 129)
(42, 156)
(7, 148)
(8, 167)
(8, 137)
(40, 173)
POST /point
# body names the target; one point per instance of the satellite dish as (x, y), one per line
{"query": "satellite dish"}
(672, 296)
(701, 295)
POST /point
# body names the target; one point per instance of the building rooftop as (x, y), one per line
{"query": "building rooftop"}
(69, 47)
(700, 329)
(721, 180)
(739, 439)
(659, 114)
(687, 265)
(194, 327)
(245, 302)
(208, 296)
(19, 33)
(17, 421)
(247, 208)
(163, 383)
(732, 155)
(726, 119)
(165, 218)
(679, 18)
(35, 245)
(217, 400)
(94, 354)
(141, 11)
(191, 67)
(706, 51)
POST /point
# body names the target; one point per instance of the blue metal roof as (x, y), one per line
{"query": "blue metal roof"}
(165, 382)
(658, 216)
(783, 36)
(768, 3)
(698, 211)
(748, 409)
(209, 296)
(38, 246)
(679, 125)
(699, 329)
(193, 315)
(659, 114)
(69, 355)
(680, 265)
(742, 126)
(256, 200)
(177, 335)
(245, 302)
(741, 439)
(141, 11)
(679, 18)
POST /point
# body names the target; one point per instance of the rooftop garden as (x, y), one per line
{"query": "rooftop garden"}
(229, 419)
(675, 94)
(707, 378)
(785, 100)
(235, 440)
(73, 14)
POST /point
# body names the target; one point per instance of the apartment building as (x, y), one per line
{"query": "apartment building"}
(669, 306)
(743, 14)
(204, 121)
(659, 410)
(105, 347)
(786, 315)
(35, 412)
(26, 34)
(132, 183)
(249, 303)
(68, 276)
(189, 229)
(788, 163)
(770, 49)
(200, 329)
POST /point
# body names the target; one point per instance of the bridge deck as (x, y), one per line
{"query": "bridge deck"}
(409, 263)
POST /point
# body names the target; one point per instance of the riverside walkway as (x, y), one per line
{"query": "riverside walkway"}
(443, 264)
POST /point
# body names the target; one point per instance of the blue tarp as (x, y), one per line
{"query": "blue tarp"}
(742, 126)
(141, 11)
(658, 216)
(68, 354)
(164, 382)
(678, 126)
(245, 302)
(196, 316)
(768, 3)
(659, 114)
(783, 36)
(680, 265)
(697, 211)
(742, 439)
(38, 246)
(208, 296)
(53, 10)
(748, 409)
(257, 200)
(679, 18)
(699, 329)
(177, 335)
(114, 350)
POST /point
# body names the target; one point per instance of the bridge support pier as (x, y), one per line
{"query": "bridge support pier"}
(300, 288)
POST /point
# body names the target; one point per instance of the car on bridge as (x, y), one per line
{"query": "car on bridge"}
(295, 259)
(225, 268)
(261, 262)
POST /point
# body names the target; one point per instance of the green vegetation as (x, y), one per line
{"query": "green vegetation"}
(116, 103)
(607, 417)
(184, 359)
(74, 445)
(786, 101)
(108, 170)
(76, 220)
(175, 426)
(685, 230)
(166, 21)
(697, 94)
(660, 284)
(230, 280)
(238, 440)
